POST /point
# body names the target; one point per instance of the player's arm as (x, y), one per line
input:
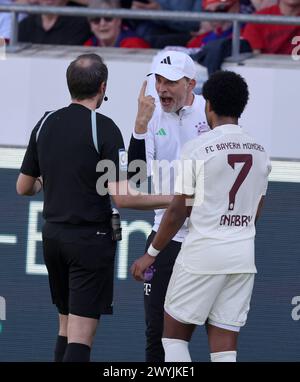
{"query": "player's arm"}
(172, 221)
(29, 181)
(259, 208)
(137, 149)
(121, 190)
(28, 185)
(146, 107)
(177, 212)
(126, 197)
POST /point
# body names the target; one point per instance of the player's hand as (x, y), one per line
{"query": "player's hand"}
(140, 265)
(146, 107)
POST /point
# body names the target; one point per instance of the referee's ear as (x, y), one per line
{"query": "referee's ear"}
(102, 88)
(192, 84)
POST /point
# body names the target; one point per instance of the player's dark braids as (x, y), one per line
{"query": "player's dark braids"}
(227, 92)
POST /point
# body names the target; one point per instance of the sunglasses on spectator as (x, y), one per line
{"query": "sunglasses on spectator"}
(96, 20)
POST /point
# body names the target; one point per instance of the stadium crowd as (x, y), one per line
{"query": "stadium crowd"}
(115, 32)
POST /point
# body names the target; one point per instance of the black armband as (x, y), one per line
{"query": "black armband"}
(136, 151)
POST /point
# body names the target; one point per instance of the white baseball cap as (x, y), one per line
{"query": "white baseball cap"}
(174, 65)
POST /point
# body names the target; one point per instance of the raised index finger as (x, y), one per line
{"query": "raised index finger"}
(143, 90)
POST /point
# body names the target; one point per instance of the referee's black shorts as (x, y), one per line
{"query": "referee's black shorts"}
(80, 264)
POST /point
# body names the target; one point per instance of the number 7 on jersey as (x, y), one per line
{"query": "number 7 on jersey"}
(238, 158)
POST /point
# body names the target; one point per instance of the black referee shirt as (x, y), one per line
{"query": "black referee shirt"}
(66, 157)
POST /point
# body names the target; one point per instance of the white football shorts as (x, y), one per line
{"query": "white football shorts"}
(223, 300)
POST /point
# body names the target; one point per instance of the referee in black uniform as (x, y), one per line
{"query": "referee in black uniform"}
(62, 156)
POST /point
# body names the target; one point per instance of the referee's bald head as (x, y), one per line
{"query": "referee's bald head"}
(85, 75)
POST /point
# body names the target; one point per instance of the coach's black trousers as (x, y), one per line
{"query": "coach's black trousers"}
(155, 288)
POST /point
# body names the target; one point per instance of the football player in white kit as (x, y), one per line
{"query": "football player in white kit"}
(224, 176)
(162, 128)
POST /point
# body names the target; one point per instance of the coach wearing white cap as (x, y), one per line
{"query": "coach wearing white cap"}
(161, 129)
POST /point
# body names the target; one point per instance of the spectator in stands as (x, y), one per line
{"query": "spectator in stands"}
(214, 30)
(271, 38)
(126, 3)
(210, 31)
(79, 3)
(260, 4)
(108, 31)
(162, 33)
(247, 6)
(5, 23)
(53, 29)
(6, 18)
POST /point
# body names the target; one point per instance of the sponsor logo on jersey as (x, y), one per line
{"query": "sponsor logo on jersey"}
(123, 160)
(147, 289)
(161, 132)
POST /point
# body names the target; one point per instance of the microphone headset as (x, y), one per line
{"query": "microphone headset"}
(105, 98)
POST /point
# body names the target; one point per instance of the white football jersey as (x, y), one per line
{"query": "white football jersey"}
(167, 134)
(227, 172)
